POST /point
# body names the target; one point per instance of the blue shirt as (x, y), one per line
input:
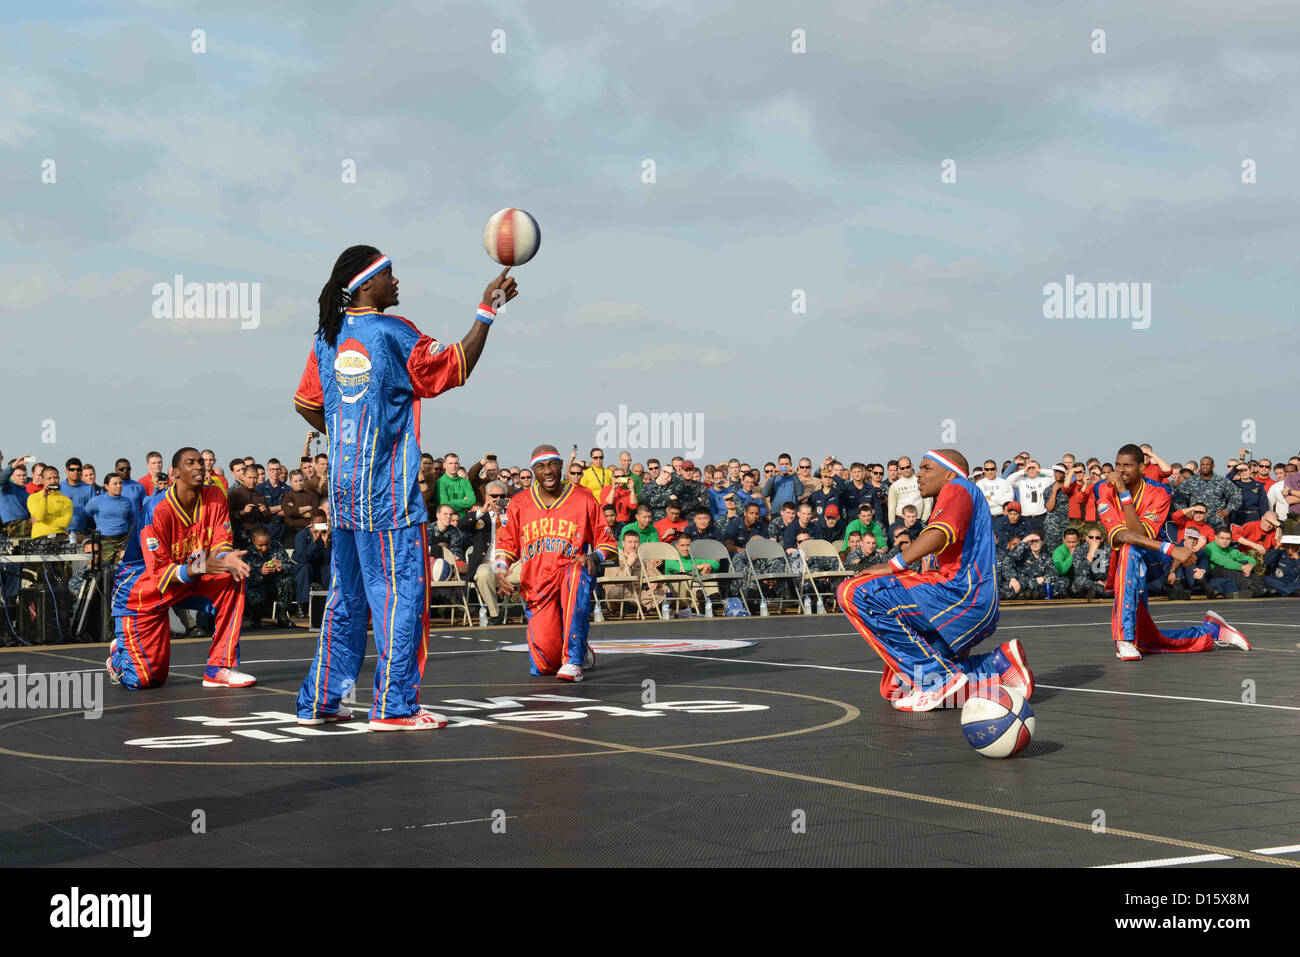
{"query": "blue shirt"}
(272, 493)
(13, 499)
(134, 491)
(112, 514)
(738, 533)
(756, 497)
(367, 386)
(782, 487)
(81, 494)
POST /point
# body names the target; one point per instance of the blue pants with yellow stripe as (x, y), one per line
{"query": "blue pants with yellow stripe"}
(382, 574)
(922, 629)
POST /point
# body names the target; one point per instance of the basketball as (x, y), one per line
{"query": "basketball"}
(512, 236)
(997, 723)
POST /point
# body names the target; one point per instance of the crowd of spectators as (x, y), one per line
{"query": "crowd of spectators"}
(1243, 522)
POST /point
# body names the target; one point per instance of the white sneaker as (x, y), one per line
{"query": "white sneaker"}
(919, 700)
(589, 660)
(229, 678)
(1127, 651)
(343, 714)
(420, 721)
(570, 673)
(1229, 637)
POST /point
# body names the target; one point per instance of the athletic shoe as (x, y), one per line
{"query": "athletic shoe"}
(343, 714)
(589, 660)
(1127, 651)
(1229, 637)
(1013, 668)
(918, 700)
(113, 676)
(570, 673)
(229, 678)
(420, 721)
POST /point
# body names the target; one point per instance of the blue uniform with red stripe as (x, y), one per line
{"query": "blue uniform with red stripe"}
(924, 624)
(1131, 568)
(368, 386)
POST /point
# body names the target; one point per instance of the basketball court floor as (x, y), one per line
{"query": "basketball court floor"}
(704, 742)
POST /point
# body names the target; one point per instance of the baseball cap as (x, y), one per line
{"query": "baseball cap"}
(1291, 539)
(688, 464)
(1059, 467)
(1011, 507)
(1196, 533)
(832, 510)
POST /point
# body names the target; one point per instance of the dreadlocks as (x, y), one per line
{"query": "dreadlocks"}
(334, 298)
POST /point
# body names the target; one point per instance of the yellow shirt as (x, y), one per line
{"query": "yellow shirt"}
(596, 478)
(51, 513)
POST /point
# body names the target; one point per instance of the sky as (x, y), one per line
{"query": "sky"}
(796, 276)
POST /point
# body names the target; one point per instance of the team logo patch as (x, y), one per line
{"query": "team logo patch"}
(1103, 508)
(644, 645)
(352, 369)
(151, 544)
(435, 347)
(225, 526)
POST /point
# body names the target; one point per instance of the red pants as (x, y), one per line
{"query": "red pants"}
(142, 651)
(558, 625)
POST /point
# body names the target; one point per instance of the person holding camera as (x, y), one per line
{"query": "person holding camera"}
(621, 496)
(50, 510)
(311, 560)
(270, 578)
(15, 520)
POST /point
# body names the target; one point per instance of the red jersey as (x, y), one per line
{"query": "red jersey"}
(1155, 473)
(1254, 532)
(954, 508)
(1180, 519)
(1151, 502)
(620, 498)
(667, 529)
(173, 535)
(550, 539)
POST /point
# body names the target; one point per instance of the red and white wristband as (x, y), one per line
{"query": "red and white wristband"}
(1125, 498)
(486, 314)
(897, 563)
(1167, 548)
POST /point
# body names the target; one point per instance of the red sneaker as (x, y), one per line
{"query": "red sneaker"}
(229, 678)
(1229, 637)
(1017, 675)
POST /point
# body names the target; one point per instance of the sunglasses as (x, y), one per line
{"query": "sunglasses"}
(1094, 538)
(575, 472)
(496, 496)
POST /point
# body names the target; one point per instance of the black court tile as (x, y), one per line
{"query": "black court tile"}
(806, 766)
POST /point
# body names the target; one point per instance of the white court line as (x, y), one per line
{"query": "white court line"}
(414, 827)
(1194, 859)
(868, 671)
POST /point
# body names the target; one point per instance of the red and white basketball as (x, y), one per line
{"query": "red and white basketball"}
(998, 723)
(512, 236)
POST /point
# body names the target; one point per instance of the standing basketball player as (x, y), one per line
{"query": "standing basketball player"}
(366, 372)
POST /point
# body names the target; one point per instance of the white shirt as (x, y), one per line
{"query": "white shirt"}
(997, 492)
(1032, 491)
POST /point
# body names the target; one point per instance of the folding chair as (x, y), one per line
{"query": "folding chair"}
(651, 552)
(766, 550)
(634, 581)
(707, 549)
(816, 548)
(454, 586)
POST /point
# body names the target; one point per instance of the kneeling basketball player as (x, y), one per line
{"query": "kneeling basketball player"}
(924, 624)
(1133, 510)
(549, 528)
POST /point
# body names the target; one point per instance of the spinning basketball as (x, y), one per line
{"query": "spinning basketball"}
(512, 236)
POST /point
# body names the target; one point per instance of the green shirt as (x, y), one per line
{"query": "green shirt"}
(456, 492)
(647, 534)
(1063, 559)
(872, 529)
(1227, 557)
(684, 566)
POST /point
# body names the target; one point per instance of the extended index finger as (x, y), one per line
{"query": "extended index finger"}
(503, 273)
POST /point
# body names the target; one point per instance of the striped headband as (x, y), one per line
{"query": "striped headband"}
(376, 267)
(945, 462)
(544, 457)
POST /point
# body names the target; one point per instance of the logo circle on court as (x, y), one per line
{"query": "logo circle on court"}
(638, 646)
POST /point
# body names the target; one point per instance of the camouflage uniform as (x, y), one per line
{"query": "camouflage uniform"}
(1217, 493)
(656, 497)
(1055, 523)
(279, 586)
(452, 537)
(1026, 567)
(1090, 577)
(776, 529)
(693, 495)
